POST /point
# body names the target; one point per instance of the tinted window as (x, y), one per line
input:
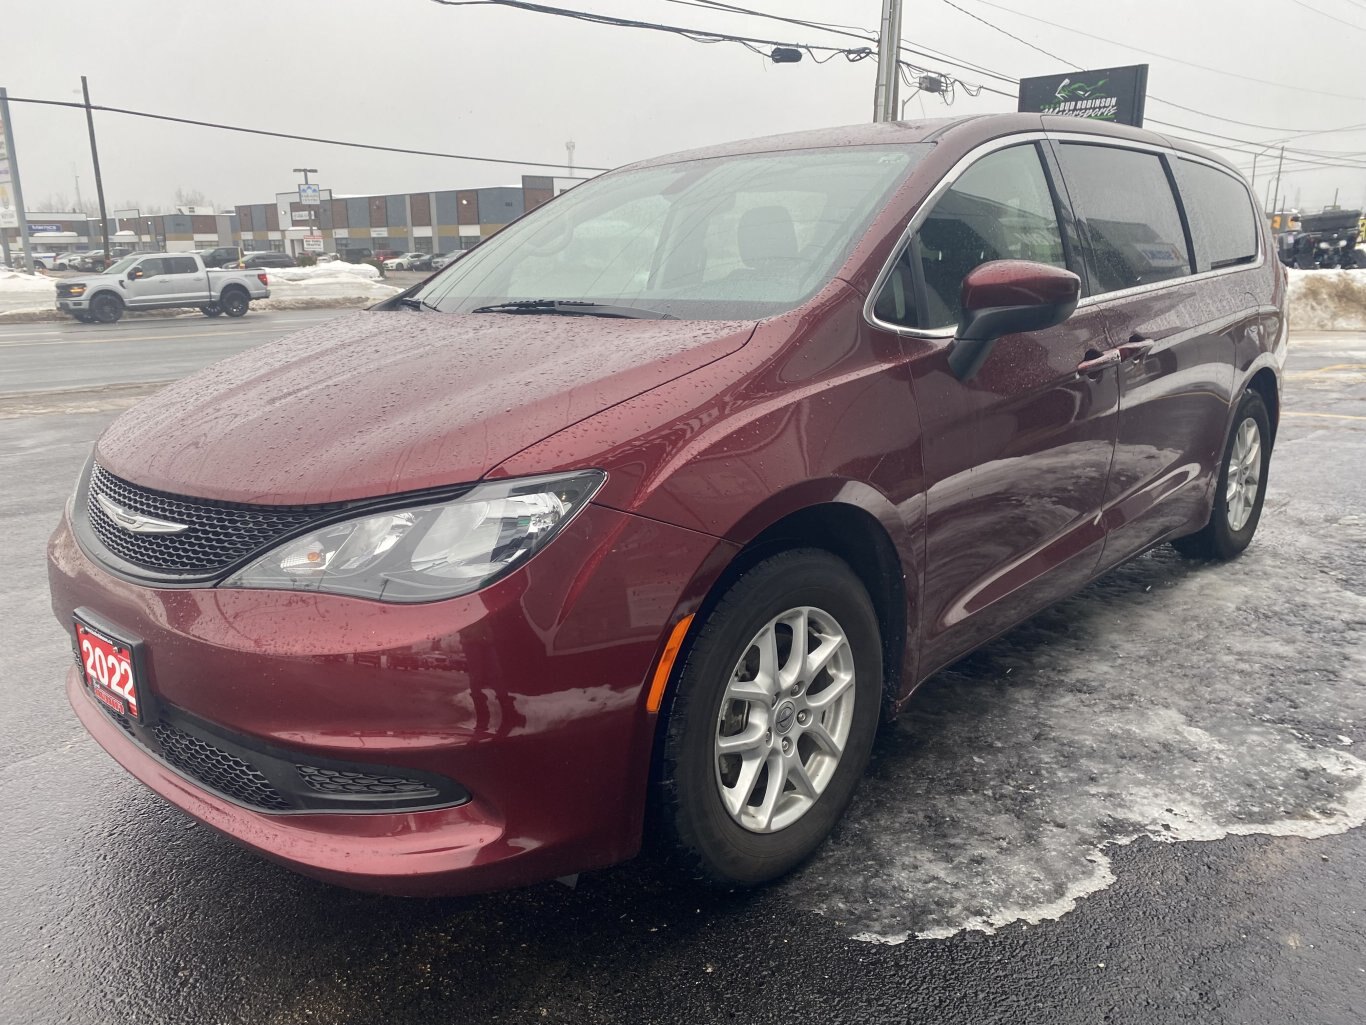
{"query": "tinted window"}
(1223, 223)
(1000, 208)
(1129, 215)
(180, 265)
(151, 268)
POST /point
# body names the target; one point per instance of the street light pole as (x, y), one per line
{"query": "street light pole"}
(885, 107)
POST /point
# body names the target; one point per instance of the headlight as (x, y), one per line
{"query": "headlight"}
(75, 290)
(428, 552)
(1323, 245)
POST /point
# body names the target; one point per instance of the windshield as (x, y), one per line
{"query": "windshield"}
(121, 265)
(730, 238)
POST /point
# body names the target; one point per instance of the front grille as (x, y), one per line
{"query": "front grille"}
(343, 781)
(219, 534)
(65, 291)
(216, 768)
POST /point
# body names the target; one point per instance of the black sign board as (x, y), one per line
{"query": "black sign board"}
(1110, 94)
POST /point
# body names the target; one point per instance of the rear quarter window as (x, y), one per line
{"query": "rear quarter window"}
(1130, 221)
(1222, 219)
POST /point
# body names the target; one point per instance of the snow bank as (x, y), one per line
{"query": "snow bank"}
(327, 281)
(1330, 300)
(336, 269)
(20, 291)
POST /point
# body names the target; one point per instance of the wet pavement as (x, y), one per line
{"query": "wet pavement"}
(1143, 805)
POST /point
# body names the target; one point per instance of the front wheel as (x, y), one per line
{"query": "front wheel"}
(211, 310)
(235, 303)
(1240, 489)
(106, 308)
(773, 721)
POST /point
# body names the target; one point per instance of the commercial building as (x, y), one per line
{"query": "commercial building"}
(422, 222)
(74, 232)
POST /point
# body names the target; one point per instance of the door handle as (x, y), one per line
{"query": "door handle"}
(1098, 361)
(1135, 348)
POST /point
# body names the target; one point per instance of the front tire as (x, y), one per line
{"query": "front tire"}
(776, 707)
(1240, 489)
(211, 310)
(106, 308)
(235, 303)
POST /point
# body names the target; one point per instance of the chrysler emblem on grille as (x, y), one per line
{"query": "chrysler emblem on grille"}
(136, 522)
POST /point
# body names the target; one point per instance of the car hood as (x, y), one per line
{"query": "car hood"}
(375, 403)
(86, 279)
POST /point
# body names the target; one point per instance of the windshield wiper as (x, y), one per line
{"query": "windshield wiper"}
(573, 308)
(414, 303)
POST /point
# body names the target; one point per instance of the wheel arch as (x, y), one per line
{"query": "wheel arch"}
(1265, 383)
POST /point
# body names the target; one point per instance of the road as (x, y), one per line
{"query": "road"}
(67, 355)
(1144, 805)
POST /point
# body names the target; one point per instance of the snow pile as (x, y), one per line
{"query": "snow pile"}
(294, 287)
(336, 269)
(20, 291)
(1330, 300)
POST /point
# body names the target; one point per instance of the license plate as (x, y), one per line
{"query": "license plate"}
(107, 664)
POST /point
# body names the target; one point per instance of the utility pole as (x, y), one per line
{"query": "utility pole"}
(99, 182)
(1276, 201)
(11, 165)
(79, 205)
(569, 152)
(885, 106)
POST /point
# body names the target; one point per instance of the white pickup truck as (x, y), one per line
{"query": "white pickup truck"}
(158, 281)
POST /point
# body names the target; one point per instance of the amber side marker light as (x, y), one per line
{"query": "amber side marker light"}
(666, 664)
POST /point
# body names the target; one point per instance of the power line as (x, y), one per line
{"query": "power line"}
(299, 138)
(1330, 17)
(1012, 35)
(1167, 57)
(696, 35)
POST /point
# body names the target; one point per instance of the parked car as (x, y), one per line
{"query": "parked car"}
(442, 259)
(223, 256)
(328, 258)
(41, 261)
(666, 494)
(356, 255)
(409, 261)
(92, 260)
(159, 281)
(267, 258)
(386, 254)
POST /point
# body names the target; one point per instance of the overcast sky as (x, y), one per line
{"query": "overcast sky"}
(494, 81)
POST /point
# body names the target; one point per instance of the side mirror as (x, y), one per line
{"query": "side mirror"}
(135, 274)
(1006, 297)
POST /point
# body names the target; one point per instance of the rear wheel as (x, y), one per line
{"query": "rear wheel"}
(1240, 489)
(777, 704)
(106, 308)
(234, 303)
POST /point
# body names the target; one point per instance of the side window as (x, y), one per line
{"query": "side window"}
(181, 265)
(1000, 208)
(151, 268)
(1128, 214)
(1222, 218)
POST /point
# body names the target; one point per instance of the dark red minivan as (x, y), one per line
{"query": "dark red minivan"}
(666, 494)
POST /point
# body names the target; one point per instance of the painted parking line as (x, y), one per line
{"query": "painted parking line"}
(1324, 416)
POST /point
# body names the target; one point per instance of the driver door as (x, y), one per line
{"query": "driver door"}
(1016, 458)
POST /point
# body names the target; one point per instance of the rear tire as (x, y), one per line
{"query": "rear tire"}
(1237, 507)
(235, 302)
(741, 718)
(106, 308)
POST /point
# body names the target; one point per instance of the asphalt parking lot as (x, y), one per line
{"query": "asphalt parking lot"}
(1143, 805)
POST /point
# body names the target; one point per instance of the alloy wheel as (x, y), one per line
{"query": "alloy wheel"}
(784, 719)
(1244, 474)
